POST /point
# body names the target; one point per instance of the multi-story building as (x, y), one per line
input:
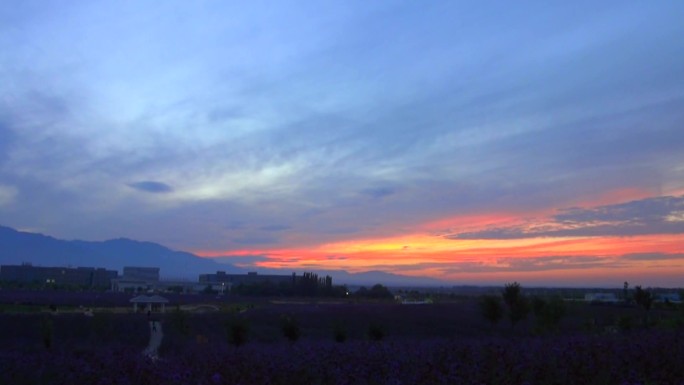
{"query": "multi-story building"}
(137, 279)
(249, 278)
(147, 274)
(79, 276)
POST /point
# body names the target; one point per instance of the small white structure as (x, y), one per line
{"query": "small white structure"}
(149, 301)
(416, 301)
(600, 297)
(123, 284)
(668, 297)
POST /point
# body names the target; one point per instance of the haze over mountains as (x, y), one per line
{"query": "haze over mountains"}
(17, 247)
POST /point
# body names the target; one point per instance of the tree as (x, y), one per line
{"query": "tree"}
(548, 313)
(491, 308)
(311, 285)
(377, 291)
(517, 304)
(511, 294)
(625, 292)
(644, 299)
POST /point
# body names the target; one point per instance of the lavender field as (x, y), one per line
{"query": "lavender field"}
(432, 344)
(646, 358)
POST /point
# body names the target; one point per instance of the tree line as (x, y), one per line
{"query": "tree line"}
(548, 312)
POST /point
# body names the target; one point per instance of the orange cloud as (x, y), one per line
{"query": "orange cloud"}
(428, 251)
(431, 255)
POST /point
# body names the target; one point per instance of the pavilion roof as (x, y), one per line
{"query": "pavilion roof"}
(149, 299)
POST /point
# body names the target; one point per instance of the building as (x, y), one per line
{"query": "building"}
(89, 277)
(148, 274)
(668, 298)
(146, 280)
(136, 279)
(244, 279)
(600, 297)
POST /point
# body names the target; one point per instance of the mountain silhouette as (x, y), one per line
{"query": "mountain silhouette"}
(17, 247)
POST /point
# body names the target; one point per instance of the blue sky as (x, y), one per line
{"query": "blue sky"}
(255, 127)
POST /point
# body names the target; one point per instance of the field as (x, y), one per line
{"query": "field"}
(249, 341)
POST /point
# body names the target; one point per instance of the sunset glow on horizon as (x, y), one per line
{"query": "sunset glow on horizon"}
(568, 258)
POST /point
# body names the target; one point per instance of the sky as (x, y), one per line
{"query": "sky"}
(472, 142)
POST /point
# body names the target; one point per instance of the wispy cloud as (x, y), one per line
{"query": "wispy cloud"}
(7, 195)
(655, 256)
(241, 260)
(659, 215)
(275, 228)
(254, 240)
(151, 186)
(525, 265)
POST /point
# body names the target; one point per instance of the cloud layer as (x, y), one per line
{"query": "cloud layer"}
(230, 127)
(660, 215)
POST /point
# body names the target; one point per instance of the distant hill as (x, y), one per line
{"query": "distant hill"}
(18, 247)
(370, 278)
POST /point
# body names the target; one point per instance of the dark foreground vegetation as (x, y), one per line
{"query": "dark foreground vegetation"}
(242, 341)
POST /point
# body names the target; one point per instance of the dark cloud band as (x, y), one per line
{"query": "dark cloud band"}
(151, 187)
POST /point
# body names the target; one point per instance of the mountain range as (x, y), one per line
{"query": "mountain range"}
(17, 247)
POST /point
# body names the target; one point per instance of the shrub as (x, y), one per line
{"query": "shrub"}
(290, 328)
(518, 311)
(378, 291)
(548, 313)
(339, 333)
(625, 323)
(238, 330)
(47, 331)
(376, 332)
(179, 322)
(491, 309)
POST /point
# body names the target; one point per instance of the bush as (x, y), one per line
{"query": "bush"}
(290, 328)
(378, 291)
(548, 314)
(179, 322)
(376, 332)
(625, 323)
(237, 330)
(491, 309)
(340, 333)
(47, 331)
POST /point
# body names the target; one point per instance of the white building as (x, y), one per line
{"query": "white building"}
(668, 297)
(600, 297)
(151, 303)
